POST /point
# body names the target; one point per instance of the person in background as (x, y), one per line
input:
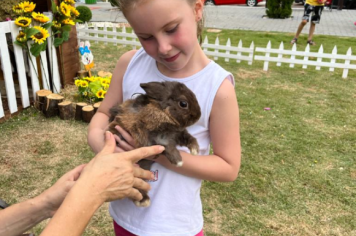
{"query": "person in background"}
(314, 7)
(75, 197)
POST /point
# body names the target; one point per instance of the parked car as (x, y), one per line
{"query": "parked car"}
(348, 4)
(250, 3)
(299, 1)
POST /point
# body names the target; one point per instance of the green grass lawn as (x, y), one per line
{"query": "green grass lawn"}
(298, 172)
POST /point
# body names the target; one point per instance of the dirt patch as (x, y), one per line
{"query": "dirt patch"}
(249, 74)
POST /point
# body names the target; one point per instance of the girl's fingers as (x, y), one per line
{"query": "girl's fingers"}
(125, 135)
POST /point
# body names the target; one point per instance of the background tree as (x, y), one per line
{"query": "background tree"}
(279, 8)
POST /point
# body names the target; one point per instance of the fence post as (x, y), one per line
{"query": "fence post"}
(114, 29)
(239, 46)
(228, 44)
(134, 40)
(33, 72)
(292, 57)
(265, 64)
(124, 32)
(320, 52)
(216, 50)
(306, 57)
(105, 34)
(250, 55)
(333, 60)
(281, 47)
(96, 35)
(205, 49)
(347, 62)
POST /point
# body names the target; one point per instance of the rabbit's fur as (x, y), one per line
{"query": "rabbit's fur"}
(159, 117)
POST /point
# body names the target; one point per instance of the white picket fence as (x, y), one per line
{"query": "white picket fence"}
(23, 65)
(216, 50)
(320, 56)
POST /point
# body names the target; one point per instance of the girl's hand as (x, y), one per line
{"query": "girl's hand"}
(124, 141)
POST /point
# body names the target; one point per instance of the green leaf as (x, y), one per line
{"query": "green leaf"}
(30, 31)
(95, 86)
(23, 45)
(47, 25)
(57, 42)
(66, 28)
(54, 7)
(36, 49)
(65, 35)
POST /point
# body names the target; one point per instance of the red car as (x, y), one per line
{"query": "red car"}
(250, 3)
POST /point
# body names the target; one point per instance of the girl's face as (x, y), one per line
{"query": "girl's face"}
(167, 30)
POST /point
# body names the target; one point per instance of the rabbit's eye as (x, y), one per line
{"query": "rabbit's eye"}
(183, 104)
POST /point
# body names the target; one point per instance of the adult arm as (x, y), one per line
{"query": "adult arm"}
(18, 218)
(108, 176)
(224, 164)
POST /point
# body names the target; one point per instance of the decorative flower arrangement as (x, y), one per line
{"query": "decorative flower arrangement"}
(93, 89)
(63, 17)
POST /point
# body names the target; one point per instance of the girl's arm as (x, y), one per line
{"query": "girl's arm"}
(224, 164)
(100, 120)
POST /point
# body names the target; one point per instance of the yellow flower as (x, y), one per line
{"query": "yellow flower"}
(68, 22)
(75, 12)
(85, 94)
(105, 86)
(21, 37)
(23, 21)
(77, 82)
(90, 79)
(56, 24)
(27, 6)
(104, 93)
(65, 9)
(84, 84)
(69, 1)
(104, 81)
(17, 9)
(41, 36)
(40, 17)
(100, 94)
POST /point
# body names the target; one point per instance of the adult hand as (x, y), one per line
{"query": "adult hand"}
(54, 196)
(112, 176)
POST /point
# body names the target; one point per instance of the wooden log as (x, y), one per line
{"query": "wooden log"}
(78, 110)
(82, 73)
(88, 113)
(65, 110)
(96, 106)
(50, 108)
(40, 98)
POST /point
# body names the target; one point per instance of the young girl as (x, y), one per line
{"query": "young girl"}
(168, 31)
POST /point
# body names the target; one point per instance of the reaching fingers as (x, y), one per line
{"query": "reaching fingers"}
(75, 173)
(110, 143)
(141, 184)
(126, 136)
(135, 195)
(141, 153)
(142, 174)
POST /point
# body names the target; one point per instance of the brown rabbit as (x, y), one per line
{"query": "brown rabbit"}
(159, 117)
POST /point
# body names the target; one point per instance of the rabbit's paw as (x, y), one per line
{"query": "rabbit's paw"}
(179, 163)
(143, 203)
(194, 149)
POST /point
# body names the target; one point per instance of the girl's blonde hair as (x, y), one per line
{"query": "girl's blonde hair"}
(126, 5)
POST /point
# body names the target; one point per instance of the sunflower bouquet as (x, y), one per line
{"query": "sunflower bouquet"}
(92, 89)
(34, 26)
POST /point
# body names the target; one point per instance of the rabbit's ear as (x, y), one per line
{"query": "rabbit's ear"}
(154, 90)
(87, 43)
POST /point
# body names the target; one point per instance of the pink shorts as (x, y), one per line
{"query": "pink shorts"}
(119, 231)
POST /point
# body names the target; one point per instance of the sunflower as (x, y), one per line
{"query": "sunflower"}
(69, 1)
(27, 6)
(39, 17)
(23, 21)
(41, 36)
(84, 84)
(65, 9)
(17, 9)
(105, 86)
(74, 11)
(68, 22)
(56, 24)
(21, 37)
(77, 82)
(100, 94)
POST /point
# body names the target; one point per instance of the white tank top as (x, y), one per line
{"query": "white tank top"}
(176, 208)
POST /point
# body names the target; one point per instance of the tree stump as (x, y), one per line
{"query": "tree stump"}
(78, 110)
(96, 106)
(50, 108)
(88, 113)
(40, 98)
(65, 110)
